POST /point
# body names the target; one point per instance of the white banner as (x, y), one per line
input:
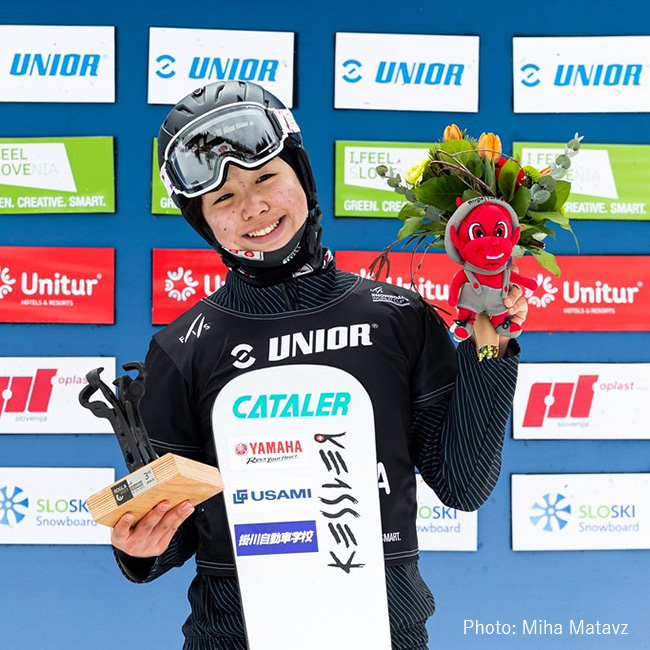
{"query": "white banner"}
(51, 63)
(181, 60)
(41, 394)
(441, 528)
(576, 512)
(582, 401)
(592, 74)
(43, 166)
(305, 519)
(410, 72)
(46, 505)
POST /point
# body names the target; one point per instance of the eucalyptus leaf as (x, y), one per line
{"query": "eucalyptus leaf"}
(558, 172)
(521, 201)
(400, 189)
(382, 170)
(540, 197)
(549, 204)
(508, 179)
(547, 183)
(411, 225)
(393, 182)
(409, 196)
(563, 161)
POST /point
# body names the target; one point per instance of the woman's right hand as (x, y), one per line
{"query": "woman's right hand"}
(151, 536)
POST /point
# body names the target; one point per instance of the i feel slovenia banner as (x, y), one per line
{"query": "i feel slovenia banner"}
(57, 175)
(608, 181)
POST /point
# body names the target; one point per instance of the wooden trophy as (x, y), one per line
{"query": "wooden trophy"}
(152, 479)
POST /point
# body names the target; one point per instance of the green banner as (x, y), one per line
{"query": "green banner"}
(57, 175)
(608, 181)
(160, 201)
(359, 191)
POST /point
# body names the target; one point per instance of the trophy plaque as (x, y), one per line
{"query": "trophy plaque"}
(152, 479)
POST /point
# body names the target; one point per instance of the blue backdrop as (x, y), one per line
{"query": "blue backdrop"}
(74, 596)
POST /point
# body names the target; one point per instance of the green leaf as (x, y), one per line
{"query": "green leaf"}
(539, 198)
(521, 201)
(464, 150)
(488, 176)
(547, 183)
(434, 227)
(508, 179)
(441, 192)
(546, 260)
(563, 161)
(411, 225)
(563, 221)
(409, 210)
(549, 204)
(469, 194)
(562, 189)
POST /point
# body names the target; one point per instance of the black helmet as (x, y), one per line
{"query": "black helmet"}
(199, 140)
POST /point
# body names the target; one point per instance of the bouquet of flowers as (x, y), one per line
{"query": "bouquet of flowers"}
(459, 168)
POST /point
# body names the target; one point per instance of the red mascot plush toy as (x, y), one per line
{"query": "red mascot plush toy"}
(480, 235)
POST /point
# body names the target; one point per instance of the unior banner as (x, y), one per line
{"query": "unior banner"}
(304, 519)
(47, 505)
(582, 401)
(358, 190)
(609, 293)
(56, 175)
(442, 528)
(580, 512)
(56, 63)
(608, 181)
(182, 60)
(181, 277)
(57, 285)
(585, 74)
(41, 394)
(406, 72)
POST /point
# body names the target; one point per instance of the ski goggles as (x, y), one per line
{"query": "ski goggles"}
(246, 134)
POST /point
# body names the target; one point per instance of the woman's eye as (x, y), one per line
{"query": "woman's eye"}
(264, 177)
(222, 198)
(475, 231)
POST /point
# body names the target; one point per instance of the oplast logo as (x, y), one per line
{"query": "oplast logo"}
(31, 394)
(53, 65)
(544, 294)
(352, 67)
(6, 282)
(165, 69)
(551, 513)
(241, 496)
(189, 284)
(557, 400)
(13, 505)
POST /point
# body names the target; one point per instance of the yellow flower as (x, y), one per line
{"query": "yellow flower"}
(452, 132)
(489, 147)
(414, 174)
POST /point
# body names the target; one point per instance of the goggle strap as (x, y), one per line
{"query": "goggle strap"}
(285, 120)
(166, 181)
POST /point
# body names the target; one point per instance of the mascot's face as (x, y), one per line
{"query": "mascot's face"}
(486, 237)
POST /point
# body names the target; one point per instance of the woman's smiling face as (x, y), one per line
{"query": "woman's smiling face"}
(256, 210)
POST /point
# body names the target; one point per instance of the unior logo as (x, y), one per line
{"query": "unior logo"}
(429, 74)
(13, 505)
(352, 67)
(551, 513)
(530, 77)
(54, 65)
(188, 288)
(31, 394)
(545, 284)
(165, 66)
(559, 400)
(6, 282)
(262, 70)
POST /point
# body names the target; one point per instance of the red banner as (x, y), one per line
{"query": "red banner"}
(595, 293)
(57, 285)
(181, 277)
